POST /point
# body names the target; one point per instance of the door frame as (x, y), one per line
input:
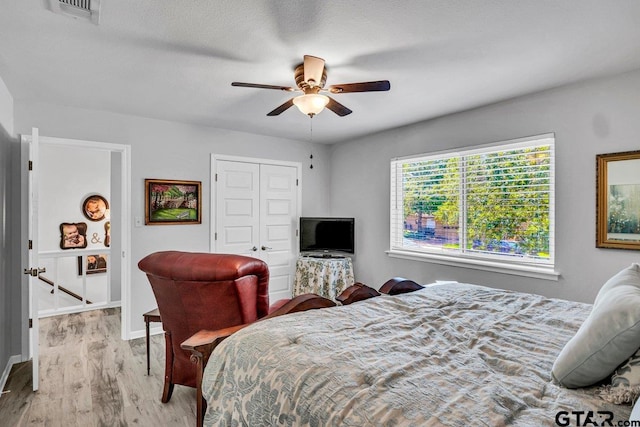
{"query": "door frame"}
(125, 232)
(254, 160)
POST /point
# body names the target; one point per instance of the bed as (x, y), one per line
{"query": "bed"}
(449, 354)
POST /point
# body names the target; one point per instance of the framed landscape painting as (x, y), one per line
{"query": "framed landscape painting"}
(172, 202)
(618, 200)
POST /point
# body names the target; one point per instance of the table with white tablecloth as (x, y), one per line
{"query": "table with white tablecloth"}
(327, 277)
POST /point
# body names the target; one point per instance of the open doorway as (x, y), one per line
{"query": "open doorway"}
(77, 205)
(71, 235)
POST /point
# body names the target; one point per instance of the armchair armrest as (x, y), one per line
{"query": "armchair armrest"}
(202, 343)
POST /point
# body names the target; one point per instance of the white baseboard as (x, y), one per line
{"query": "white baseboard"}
(97, 306)
(5, 375)
(142, 333)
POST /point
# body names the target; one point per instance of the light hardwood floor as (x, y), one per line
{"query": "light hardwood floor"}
(90, 377)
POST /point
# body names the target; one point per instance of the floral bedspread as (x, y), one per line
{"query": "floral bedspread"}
(452, 354)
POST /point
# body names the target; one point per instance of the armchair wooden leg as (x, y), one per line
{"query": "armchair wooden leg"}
(168, 369)
(167, 391)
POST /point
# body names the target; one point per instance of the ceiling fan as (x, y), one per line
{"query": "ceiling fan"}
(310, 77)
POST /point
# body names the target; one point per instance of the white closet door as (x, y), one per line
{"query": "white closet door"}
(237, 208)
(257, 215)
(278, 224)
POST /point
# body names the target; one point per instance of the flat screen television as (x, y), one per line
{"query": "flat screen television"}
(327, 236)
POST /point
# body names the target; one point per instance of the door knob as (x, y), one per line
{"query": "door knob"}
(264, 248)
(254, 249)
(34, 271)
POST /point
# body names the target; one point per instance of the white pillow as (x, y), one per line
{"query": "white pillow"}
(609, 335)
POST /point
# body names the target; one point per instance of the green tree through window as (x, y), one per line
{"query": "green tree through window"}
(489, 202)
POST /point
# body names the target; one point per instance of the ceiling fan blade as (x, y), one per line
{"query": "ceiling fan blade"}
(379, 86)
(313, 70)
(338, 108)
(261, 86)
(281, 108)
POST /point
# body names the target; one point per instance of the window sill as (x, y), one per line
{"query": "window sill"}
(538, 272)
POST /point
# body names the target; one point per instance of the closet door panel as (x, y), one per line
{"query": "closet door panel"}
(237, 208)
(278, 224)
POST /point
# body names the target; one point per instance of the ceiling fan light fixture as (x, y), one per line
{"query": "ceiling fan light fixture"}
(310, 77)
(311, 104)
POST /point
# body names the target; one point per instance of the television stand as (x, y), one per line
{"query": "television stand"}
(325, 256)
(327, 276)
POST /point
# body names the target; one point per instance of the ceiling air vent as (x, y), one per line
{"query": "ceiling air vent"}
(80, 9)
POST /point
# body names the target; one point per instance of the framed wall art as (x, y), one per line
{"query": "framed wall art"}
(618, 200)
(96, 263)
(172, 202)
(73, 235)
(107, 233)
(95, 207)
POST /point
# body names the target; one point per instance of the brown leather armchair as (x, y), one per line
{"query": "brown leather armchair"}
(197, 291)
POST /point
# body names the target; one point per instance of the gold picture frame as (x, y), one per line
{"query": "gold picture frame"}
(618, 200)
(171, 202)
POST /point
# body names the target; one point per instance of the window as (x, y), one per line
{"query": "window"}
(492, 205)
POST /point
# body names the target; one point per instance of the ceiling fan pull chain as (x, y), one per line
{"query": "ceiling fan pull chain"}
(311, 146)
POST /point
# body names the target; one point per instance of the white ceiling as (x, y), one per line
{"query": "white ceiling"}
(175, 60)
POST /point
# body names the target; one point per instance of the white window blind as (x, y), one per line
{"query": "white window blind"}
(495, 202)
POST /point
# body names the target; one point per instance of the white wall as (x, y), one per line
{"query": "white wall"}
(169, 150)
(6, 121)
(67, 176)
(6, 109)
(590, 118)
(10, 285)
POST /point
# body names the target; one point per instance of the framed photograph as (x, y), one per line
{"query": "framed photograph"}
(73, 235)
(96, 263)
(95, 207)
(172, 202)
(107, 233)
(618, 200)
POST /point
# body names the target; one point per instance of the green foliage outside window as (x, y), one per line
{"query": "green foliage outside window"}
(506, 196)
